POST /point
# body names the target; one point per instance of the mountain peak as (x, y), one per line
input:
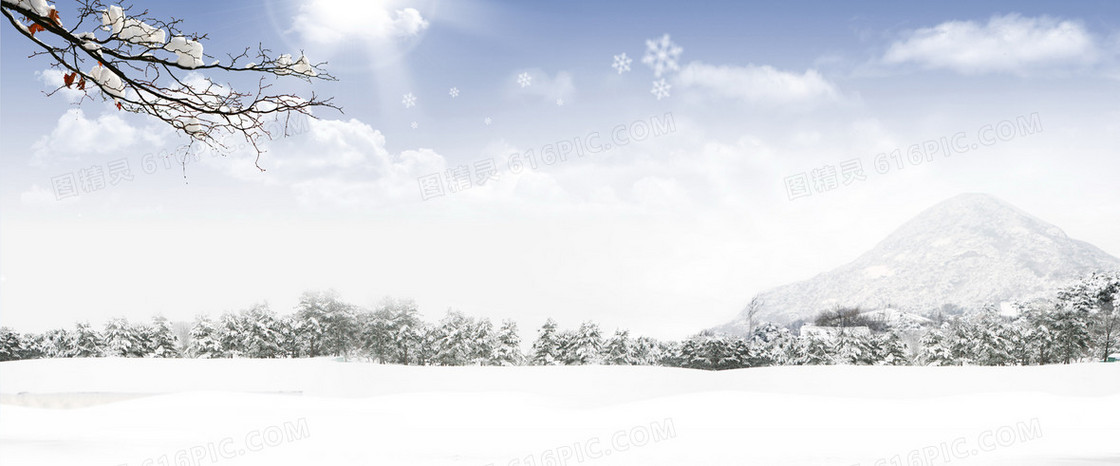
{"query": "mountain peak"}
(967, 251)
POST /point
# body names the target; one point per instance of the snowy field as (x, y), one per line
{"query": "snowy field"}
(321, 412)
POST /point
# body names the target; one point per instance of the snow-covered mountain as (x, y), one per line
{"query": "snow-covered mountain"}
(967, 251)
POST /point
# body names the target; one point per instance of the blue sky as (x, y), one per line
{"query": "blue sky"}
(664, 236)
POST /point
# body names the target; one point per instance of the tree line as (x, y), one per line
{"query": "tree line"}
(1079, 323)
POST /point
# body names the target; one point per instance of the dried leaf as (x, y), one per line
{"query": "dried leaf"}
(35, 28)
(55, 19)
(68, 79)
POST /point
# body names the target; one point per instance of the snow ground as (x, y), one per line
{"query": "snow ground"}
(280, 412)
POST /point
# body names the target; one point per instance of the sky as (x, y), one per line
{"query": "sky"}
(765, 143)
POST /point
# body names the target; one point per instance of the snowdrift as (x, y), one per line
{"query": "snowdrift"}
(280, 412)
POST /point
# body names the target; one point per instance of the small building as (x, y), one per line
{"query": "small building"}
(829, 333)
(1112, 357)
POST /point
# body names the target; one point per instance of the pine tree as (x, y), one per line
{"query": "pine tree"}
(816, 351)
(11, 345)
(1071, 333)
(852, 349)
(288, 332)
(669, 354)
(889, 350)
(691, 354)
(57, 343)
(120, 338)
(648, 352)
(232, 334)
(985, 337)
(452, 339)
(620, 350)
(330, 325)
(587, 345)
(546, 349)
(396, 333)
(481, 342)
(162, 340)
(739, 354)
(937, 349)
(770, 345)
(206, 342)
(87, 342)
(507, 348)
(261, 332)
(1095, 299)
(373, 336)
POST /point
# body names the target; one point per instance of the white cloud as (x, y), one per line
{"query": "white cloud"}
(335, 22)
(758, 84)
(1009, 44)
(75, 136)
(342, 163)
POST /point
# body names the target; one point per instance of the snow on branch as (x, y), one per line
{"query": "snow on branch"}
(150, 66)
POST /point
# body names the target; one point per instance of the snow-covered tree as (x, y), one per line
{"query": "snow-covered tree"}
(151, 66)
(452, 340)
(691, 354)
(423, 352)
(260, 329)
(87, 342)
(1040, 341)
(231, 332)
(11, 345)
(288, 333)
(620, 350)
(162, 342)
(714, 352)
(585, 346)
(206, 340)
(770, 345)
(546, 348)
(481, 344)
(813, 351)
(668, 354)
(889, 350)
(987, 338)
(57, 343)
(329, 325)
(648, 352)
(123, 339)
(373, 335)
(393, 333)
(853, 349)
(937, 348)
(507, 346)
(1097, 296)
(1071, 333)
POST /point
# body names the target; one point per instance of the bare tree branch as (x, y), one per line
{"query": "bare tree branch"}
(136, 64)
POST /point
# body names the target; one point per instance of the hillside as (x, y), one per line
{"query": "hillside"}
(967, 251)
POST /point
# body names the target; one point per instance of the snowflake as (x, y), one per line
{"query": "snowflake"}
(414, 125)
(409, 100)
(622, 63)
(662, 55)
(454, 92)
(560, 102)
(487, 121)
(524, 79)
(660, 89)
